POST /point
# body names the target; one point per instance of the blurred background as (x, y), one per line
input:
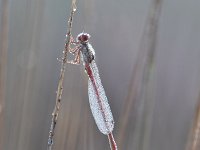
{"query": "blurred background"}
(148, 56)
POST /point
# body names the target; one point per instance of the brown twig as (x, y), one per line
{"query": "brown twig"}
(61, 78)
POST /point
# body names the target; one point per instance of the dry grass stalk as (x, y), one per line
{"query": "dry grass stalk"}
(61, 78)
(140, 79)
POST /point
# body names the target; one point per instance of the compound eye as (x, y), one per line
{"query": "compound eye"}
(84, 38)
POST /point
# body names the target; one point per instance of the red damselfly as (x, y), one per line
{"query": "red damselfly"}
(97, 98)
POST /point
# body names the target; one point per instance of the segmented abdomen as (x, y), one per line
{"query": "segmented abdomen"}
(98, 100)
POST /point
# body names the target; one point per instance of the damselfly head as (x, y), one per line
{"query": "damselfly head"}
(83, 37)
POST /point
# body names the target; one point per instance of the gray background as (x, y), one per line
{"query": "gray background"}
(154, 114)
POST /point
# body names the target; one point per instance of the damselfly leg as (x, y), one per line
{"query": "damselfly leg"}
(75, 51)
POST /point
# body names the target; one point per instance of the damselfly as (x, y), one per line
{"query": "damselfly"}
(97, 97)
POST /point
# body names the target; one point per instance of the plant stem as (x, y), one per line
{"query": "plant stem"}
(61, 78)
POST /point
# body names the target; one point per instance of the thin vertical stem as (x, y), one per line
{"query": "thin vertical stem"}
(61, 79)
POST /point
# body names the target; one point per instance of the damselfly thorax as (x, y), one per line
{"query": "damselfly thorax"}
(87, 52)
(83, 48)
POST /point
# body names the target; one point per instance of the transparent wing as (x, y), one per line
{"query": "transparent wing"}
(98, 100)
